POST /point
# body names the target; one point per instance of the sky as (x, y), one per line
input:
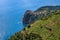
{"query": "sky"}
(12, 11)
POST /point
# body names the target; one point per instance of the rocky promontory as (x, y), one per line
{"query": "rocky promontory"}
(42, 24)
(31, 16)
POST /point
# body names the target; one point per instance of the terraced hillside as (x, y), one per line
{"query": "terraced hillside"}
(45, 28)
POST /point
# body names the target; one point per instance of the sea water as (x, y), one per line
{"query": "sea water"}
(12, 12)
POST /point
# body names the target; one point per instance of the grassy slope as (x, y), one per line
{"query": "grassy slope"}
(48, 29)
(42, 27)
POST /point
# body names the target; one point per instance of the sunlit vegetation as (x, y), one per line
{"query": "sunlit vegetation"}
(46, 28)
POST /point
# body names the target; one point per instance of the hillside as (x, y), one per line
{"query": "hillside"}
(44, 28)
(31, 16)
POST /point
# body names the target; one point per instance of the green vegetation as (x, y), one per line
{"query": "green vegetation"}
(46, 28)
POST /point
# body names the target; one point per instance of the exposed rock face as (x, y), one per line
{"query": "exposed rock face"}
(46, 28)
(30, 16)
(27, 19)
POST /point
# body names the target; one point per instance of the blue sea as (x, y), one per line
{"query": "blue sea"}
(12, 12)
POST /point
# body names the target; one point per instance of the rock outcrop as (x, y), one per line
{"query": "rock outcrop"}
(46, 28)
(30, 16)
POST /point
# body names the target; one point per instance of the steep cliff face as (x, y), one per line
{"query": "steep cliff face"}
(46, 28)
(30, 16)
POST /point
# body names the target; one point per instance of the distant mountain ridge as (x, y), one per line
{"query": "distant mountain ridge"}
(49, 8)
(30, 16)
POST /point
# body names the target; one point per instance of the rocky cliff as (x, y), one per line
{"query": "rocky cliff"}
(32, 16)
(45, 26)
